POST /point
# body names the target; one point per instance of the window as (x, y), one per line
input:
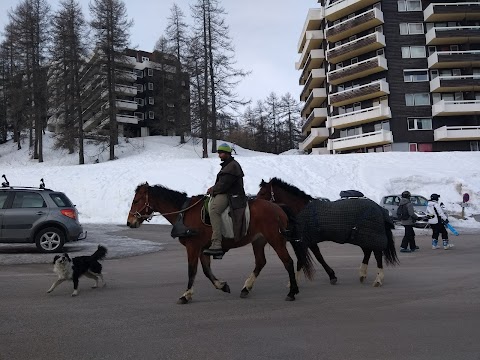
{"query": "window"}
(380, 51)
(426, 147)
(150, 72)
(151, 101)
(139, 101)
(354, 60)
(144, 58)
(28, 200)
(150, 86)
(3, 198)
(151, 115)
(139, 73)
(139, 87)
(409, 5)
(411, 28)
(415, 75)
(413, 52)
(61, 200)
(419, 123)
(385, 125)
(474, 145)
(417, 99)
(139, 115)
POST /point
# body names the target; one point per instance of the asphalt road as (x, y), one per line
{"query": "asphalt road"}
(428, 308)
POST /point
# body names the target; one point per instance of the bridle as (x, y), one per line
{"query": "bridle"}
(272, 195)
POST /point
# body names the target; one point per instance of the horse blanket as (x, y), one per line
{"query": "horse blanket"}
(355, 221)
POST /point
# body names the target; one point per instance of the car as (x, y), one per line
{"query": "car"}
(390, 202)
(38, 215)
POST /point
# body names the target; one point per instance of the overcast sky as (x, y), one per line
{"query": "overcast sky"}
(265, 34)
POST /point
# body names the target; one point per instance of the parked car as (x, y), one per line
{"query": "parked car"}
(38, 215)
(390, 202)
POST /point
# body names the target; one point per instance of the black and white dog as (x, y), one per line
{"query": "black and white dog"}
(72, 269)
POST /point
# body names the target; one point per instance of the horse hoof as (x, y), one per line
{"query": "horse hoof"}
(362, 278)
(377, 284)
(290, 298)
(333, 281)
(182, 301)
(226, 288)
(244, 293)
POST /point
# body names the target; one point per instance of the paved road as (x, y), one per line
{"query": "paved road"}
(429, 308)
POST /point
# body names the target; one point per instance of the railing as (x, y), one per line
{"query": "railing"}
(356, 112)
(382, 84)
(377, 13)
(348, 67)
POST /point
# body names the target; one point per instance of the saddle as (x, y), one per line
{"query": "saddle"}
(228, 231)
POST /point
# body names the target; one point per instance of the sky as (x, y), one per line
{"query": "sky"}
(264, 34)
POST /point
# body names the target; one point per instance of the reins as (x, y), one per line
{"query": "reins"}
(148, 217)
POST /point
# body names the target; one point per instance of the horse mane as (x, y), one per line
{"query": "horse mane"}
(293, 190)
(177, 198)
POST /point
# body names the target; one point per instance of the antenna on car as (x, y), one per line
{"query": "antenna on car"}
(42, 184)
(6, 183)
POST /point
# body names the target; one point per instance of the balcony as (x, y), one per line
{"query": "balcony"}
(316, 137)
(459, 11)
(456, 133)
(460, 107)
(126, 90)
(320, 151)
(453, 35)
(127, 119)
(454, 59)
(126, 105)
(314, 100)
(314, 42)
(455, 83)
(358, 70)
(363, 116)
(313, 61)
(93, 122)
(312, 22)
(354, 25)
(126, 75)
(359, 93)
(127, 61)
(315, 74)
(376, 138)
(362, 45)
(340, 8)
(316, 118)
(315, 80)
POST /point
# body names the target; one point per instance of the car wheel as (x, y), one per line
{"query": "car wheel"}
(50, 240)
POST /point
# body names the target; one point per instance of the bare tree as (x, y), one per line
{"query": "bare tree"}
(289, 115)
(111, 29)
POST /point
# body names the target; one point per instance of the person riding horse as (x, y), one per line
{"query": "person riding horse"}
(228, 190)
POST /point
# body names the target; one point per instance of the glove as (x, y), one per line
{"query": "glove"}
(445, 221)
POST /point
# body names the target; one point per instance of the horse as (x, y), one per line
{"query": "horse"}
(356, 221)
(268, 223)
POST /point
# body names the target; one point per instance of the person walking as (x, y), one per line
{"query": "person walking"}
(406, 214)
(437, 220)
(228, 185)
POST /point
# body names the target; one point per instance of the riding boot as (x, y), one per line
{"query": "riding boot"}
(215, 248)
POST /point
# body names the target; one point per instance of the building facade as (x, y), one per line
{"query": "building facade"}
(396, 75)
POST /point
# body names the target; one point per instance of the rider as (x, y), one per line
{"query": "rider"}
(229, 183)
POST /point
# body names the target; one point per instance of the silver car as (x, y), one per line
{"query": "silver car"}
(38, 215)
(390, 202)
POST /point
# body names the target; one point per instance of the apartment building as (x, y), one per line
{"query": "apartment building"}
(149, 100)
(396, 75)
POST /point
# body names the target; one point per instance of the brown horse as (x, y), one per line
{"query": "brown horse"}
(267, 225)
(316, 231)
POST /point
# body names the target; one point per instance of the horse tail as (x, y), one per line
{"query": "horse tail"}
(390, 253)
(299, 246)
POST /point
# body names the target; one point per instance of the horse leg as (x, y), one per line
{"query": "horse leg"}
(318, 255)
(282, 252)
(380, 275)
(205, 260)
(364, 265)
(193, 253)
(260, 260)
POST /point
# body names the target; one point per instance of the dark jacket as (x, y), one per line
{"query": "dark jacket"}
(411, 212)
(230, 179)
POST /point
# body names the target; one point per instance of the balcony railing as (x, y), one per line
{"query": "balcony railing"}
(458, 11)
(337, 9)
(454, 59)
(314, 42)
(126, 90)
(362, 116)
(315, 80)
(316, 118)
(128, 119)
(320, 151)
(449, 83)
(316, 136)
(126, 105)
(376, 138)
(459, 107)
(356, 47)
(359, 93)
(453, 35)
(314, 60)
(456, 133)
(312, 22)
(354, 25)
(357, 70)
(315, 99)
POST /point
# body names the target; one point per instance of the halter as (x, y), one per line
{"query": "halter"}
(272, 195)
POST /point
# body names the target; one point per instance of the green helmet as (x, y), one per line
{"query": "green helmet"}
(225, 148)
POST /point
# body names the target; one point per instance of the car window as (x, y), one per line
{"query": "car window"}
(396, 200)
(419, 201)
(61, 200)
(3, 198)
(28, 200)
(389, 200)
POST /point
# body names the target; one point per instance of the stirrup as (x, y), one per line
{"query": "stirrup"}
(214, 252)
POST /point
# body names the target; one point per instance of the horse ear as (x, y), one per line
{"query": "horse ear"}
(263, 183)
(146, 183)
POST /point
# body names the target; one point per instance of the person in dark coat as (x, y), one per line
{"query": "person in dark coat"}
(409, 237)
(228, 190)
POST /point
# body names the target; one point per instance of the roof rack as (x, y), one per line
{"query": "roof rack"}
(6, 184)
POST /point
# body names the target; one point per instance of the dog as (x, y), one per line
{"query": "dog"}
(71, 269)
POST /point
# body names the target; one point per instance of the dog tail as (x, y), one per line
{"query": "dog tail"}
(100, 253)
